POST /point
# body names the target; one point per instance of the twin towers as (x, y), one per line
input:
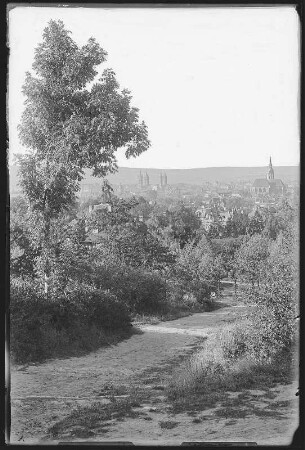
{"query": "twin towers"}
(143, 180)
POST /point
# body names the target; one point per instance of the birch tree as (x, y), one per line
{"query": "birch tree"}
(71, 121)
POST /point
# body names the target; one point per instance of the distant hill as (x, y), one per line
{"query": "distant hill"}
(126, 175)
(198, 176)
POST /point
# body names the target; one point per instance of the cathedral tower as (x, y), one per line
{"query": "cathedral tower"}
(270, 173)
(163, 179)
(146, 179)
(140, 180)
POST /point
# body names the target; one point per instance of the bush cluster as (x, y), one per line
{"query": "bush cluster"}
(141, 291)
(146, 292)
(81, 320)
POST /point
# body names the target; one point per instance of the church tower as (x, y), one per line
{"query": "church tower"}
(163, 179)
(140, 180)
(146, 179)
(270, 173)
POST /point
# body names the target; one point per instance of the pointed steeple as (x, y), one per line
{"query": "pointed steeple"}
(270, 173)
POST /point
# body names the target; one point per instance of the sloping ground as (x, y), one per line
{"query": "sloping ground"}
(264, 417)
(43, 394)
(118, 393)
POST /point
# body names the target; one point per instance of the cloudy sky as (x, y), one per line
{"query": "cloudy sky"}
(215, 86)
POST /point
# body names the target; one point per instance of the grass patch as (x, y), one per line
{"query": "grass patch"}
(222, 367)
(231, 422)
(110, 389)
(231, 412)
(154, 319)
(205, 389)
(197, 420)
(280, 404)
(210, 370)
(168, 424)
(85, 421)
(176, 313)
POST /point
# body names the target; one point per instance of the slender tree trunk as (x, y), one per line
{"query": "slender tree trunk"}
(235, 289)
(47, 254)
(46, 285)
(47, 227)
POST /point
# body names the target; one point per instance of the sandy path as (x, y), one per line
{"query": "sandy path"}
(44, 394)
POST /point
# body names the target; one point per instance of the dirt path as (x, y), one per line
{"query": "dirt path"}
(68, 393)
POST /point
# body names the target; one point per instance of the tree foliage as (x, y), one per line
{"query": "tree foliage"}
(175, 224)
(278, 294)
(68, 126)
(251, 258)
(23, 249)
(278, 221)
(196, 269)
(236, 225)
(129, 237)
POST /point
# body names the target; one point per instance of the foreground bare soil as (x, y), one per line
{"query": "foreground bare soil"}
(118, 394)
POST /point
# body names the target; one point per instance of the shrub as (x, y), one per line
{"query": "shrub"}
(81, 320)
(96, 306)
(140, 290)
(143, 292)
(234, 340)
(277, 298)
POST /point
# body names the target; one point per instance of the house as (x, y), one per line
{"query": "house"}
(95, 239)
(208, 217)
(100, 207)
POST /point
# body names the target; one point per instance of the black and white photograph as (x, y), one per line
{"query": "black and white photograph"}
(154, 185)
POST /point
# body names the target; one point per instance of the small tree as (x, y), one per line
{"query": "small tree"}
(67, 127)
(279, 220)
(184, 224)
(236, 225)
(278, 294)
(251, 258)
(194, 269)
(217, 229)
(227, 248)
(256, 224)
(218, 270)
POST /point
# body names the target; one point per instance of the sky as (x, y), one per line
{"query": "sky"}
(215, 86)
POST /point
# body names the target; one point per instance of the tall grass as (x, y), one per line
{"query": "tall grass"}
(230, 361)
